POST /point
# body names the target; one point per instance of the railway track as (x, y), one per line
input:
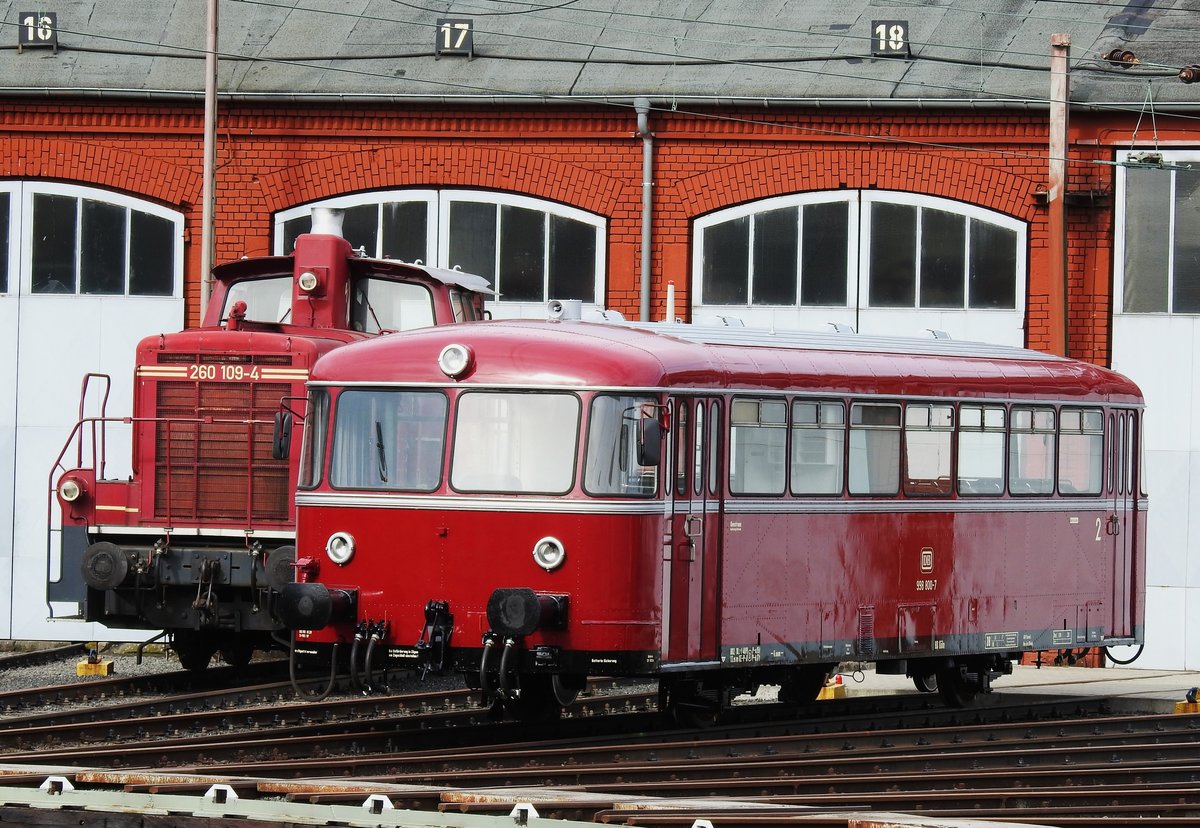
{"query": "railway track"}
(1048, 762)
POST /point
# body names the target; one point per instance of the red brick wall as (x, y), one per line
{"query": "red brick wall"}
(278, 157)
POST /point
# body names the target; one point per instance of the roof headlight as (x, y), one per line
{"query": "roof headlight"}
(340, 547)
(455, 360)
(549, 553)
(70, 490)
(308, 281)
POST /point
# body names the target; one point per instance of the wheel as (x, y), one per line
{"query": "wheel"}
(195, 650)
(685, 705)
(803, 685)
(566, 688)
(926, 683)
(536, 701)
(954, 688)
(237, 653)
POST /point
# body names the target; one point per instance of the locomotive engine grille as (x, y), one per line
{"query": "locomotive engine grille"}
(221, 470)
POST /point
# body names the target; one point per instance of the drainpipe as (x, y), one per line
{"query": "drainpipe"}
(642, 107)
(1060, 92)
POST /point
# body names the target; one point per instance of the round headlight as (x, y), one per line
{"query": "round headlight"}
(549, 554)
(308, 281)
(455, 360)
(340, 547)
(70, 490)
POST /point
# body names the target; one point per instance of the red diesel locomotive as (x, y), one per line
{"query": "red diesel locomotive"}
(532, 503)
(198, 540)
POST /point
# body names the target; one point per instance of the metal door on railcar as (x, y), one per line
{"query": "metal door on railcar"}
(691, 555)
(1122, 524)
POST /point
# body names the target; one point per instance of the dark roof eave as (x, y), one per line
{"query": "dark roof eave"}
(658, 101)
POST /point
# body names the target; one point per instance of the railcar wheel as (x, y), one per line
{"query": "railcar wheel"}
(685, 705)
(926, 683)
(804, 684)
(566, 688)
(954, 688)
(536, 701)
(195, 650)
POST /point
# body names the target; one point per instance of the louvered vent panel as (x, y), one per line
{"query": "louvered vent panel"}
(221, 471)
(866, 631)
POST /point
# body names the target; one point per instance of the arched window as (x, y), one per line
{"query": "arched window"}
(857, 258)
(68, 239)
(528, 249)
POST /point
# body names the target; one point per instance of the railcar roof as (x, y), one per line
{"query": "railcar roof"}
(573, 354)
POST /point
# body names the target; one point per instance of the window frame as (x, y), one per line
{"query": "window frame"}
(437, 234)
(1120, 225)
(1002, 324)
(29, 189)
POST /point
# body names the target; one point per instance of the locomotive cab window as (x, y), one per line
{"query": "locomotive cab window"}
(267, 300)
(757, 446)
(928, 435)
(387, 305)
(1081, 451)
(981, 450)
(818, 446)
(616, 431)
(515, 443)
(388, 439)
(1031, 452)
(874, 449)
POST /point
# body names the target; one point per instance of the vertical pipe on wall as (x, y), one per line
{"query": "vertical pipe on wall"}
(642, 107)
(208, 209)
(1060, 91)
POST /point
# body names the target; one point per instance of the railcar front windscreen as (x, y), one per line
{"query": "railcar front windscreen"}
(515, 443)
(388, 439)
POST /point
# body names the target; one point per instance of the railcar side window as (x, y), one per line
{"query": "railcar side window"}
(874, 449)
(316, 425)
(611, 467)
(758, 446)
(980, 450)
(1081, 451)
(267, 300)
(928, 434)
(388, 440)
(386, 305)
(818, 447)
(515, 443)
(1031, 451)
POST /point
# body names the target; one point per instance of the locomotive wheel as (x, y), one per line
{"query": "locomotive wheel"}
(954, 688)
(195, 650)
(237, 653)
(803, 685)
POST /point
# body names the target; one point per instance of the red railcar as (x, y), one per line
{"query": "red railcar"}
(531, 503)
(198, 539)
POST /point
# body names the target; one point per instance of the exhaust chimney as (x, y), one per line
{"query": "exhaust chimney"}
(327, 221)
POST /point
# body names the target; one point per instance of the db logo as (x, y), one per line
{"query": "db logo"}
(927, 559)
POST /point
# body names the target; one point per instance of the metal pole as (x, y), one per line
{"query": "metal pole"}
(207, 220)
(1060, 91)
